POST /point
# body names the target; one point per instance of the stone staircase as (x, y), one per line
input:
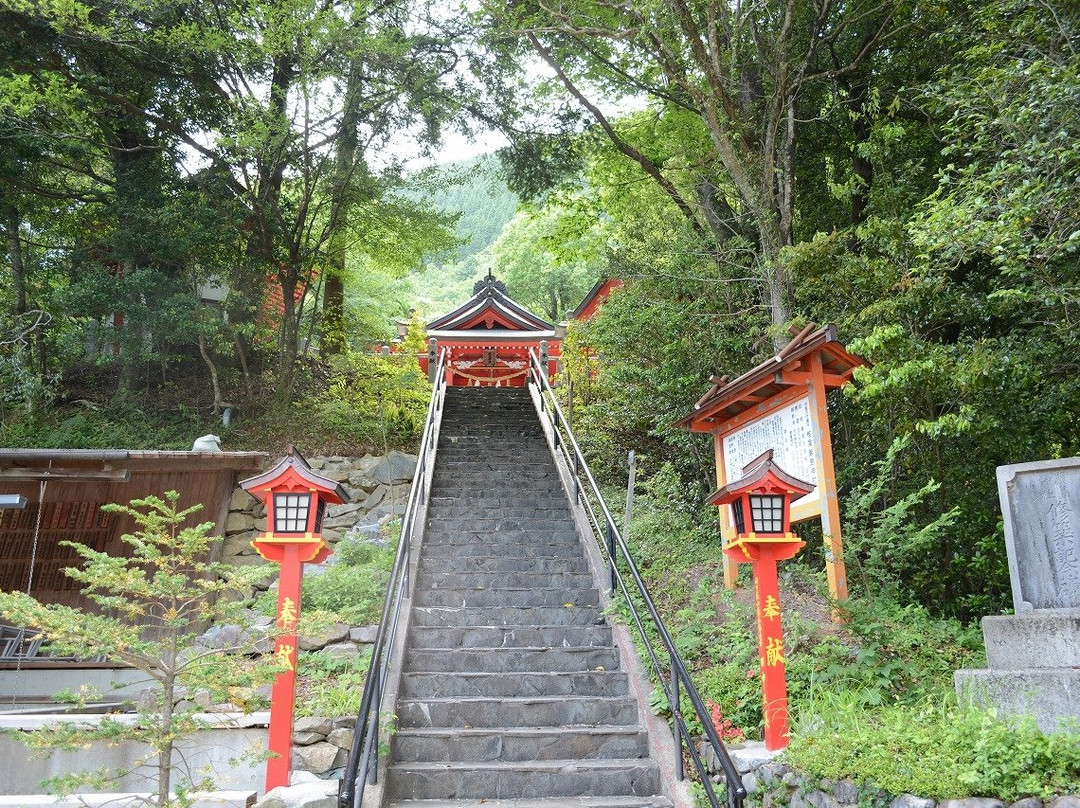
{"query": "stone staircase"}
(512, 688)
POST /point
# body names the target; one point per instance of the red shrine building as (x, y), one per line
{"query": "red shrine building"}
(489, 338)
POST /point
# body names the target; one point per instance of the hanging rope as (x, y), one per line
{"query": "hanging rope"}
(29, 584)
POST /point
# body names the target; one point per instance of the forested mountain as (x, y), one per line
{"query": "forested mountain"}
(476, 194)
(906, 170)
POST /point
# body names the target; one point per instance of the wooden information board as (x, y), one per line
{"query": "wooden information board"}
(780, 405)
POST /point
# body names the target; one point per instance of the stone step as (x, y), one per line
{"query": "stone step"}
(499, 565)
(523, 548)
(565, 802)
(496, 509)
(501, 780)
(509, 637)
(497, 685)
(539, 542)
(524, 744)
(511, 660)
(469, 526)
(495, 488)
(478, 499)
(520, 461)
(502, 492)
(507, 616)
(509, 598)
(504, 580)
(518, 711)
(516, 451)
(520, 481)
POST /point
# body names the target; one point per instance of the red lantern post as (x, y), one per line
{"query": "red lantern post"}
(295, 498)
(761, 512)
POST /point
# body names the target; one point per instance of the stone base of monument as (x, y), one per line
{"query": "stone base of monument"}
(1033, 668)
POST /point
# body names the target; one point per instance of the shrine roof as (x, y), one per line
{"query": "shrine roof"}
(597, 295)
(486, 335)
(490, 312)
(789, 368)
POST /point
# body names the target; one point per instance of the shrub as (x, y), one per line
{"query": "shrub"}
(940, 752)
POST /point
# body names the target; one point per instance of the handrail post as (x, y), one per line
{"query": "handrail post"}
(676, 712)
(611, 554)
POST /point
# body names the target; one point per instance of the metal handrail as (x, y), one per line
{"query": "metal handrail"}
(363, 763)
(617, 554)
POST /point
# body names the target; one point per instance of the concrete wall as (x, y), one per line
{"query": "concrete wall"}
(229, 752)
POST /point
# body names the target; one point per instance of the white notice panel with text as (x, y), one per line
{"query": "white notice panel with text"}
(789, 433)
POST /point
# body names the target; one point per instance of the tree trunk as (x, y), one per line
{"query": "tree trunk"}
(15, 255)
(345, 156)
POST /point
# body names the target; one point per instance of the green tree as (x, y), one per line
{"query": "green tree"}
(745, 75)
(152, 603)
(547, 258)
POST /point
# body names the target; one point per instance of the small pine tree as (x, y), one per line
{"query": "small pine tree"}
(153, 605)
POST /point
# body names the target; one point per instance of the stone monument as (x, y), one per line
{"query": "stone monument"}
(1033, 656)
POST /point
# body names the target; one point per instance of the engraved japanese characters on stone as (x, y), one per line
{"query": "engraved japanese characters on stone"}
(1041, 506)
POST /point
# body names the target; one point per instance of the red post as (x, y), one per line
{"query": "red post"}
(294, 496)
(771, 650)
(283, 694)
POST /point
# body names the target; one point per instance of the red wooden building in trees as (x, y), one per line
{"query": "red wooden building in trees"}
(592, 302)
(489, 337)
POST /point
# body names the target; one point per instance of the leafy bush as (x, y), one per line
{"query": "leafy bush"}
(941, 752)
(329, 686)
(355, 585)
(360, 402)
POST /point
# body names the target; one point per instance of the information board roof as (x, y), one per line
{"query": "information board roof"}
(790, 367)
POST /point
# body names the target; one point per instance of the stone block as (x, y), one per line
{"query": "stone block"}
(395, 469)
(1049, 695)
(388, 510)
(972, 802)
(376, 497)
(364, 635)
(342, 737)
(239, 544)
(313, 724)
(342, 650)
(1065, 802)
(242, 500)
(751, 756)
(1035, 639)
(1028, 802)
(239, 522)
(338, 632)
(321, 794)
(911, 801)
(318, 757)
(307, 738)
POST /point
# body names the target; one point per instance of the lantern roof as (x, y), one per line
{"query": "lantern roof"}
(490, 312)
(761, 474)
(293, 469)
(726, 399)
